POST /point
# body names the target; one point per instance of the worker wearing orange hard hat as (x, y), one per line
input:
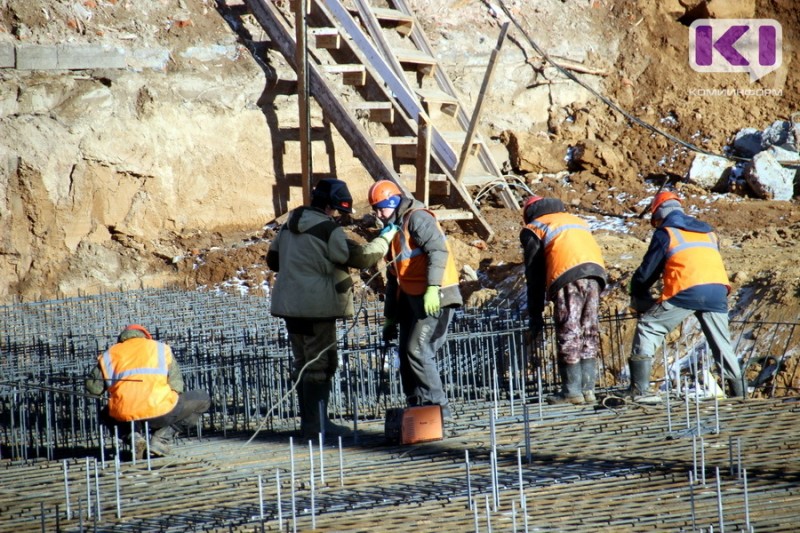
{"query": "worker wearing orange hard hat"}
(684, 254)
(144, 383)
(564, 264)
(422, 291)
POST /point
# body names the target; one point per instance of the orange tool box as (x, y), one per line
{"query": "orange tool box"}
(411, 425)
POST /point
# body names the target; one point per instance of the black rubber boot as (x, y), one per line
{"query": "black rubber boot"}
(161, 441)
(640, 381)
(588, 379)
(571, 385)
(314, 411)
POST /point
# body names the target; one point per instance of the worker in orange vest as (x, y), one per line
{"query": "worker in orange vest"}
(564, 264)
(684, 253)
(422, 292)
(144, 383)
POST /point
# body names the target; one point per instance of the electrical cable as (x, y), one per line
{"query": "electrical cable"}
(610, 103)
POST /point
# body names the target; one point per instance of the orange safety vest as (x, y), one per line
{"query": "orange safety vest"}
(411, 262)
(567, 241)
(136, 377)
(692, 259)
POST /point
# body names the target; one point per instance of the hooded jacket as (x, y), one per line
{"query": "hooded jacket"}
(428, 236)
(537, 255)
(712, 297)
(310, 255)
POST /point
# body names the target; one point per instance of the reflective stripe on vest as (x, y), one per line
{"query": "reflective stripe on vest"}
(567, 241)
(692, 259)
(411, 262)
(136, 374)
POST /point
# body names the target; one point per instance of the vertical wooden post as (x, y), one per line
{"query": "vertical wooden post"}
(476, 113)
(303, 95)
(423, 162)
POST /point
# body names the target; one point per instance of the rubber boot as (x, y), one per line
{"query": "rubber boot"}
(588, 379)
(314, 412)
(640, 381)
(160, 441)
(571, 385)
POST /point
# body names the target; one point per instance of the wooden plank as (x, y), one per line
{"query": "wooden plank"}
(303, 96)
(378, 111)
(423, 63)
(466, 149)
(352, 74)
(327, 38)
(433, 99)
(269, 18)
(453, 214)
(423, 159)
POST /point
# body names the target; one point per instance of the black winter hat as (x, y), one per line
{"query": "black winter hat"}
(334, 193)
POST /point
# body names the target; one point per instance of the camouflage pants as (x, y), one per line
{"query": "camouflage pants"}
(576, 321)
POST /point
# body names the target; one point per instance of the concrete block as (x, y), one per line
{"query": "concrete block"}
(747, 142)
(37, 57)
(710, 172)
(84, 57)
(8, 55)
(768, 179)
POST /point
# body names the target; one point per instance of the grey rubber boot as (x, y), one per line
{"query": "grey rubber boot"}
(571, 385)
(588, 379)
(161, 441)
(640, 381)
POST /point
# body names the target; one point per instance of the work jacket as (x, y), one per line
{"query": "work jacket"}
(310, 255)
(136, 374)
(692, 259)
(558, 248)
(684, 253)
(419, 257)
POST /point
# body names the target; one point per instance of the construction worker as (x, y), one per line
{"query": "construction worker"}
(684, 253)
(144, 384)
(313, 288)
(564, 264)
(421, 292)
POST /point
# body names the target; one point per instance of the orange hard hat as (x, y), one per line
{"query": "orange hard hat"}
(384, 193)
(662, 197)
(143, 329)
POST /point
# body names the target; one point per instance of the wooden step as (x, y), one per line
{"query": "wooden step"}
(352, 74)
(457, 138)
(453, 214)
(436, 100)
(378, 111)
(423, 63)
(328, 38)
(403, 147)
(438, 184)
(388, 17)
(402, 23)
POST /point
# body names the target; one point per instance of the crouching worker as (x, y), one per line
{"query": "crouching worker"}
(144, 384)
(684, 253)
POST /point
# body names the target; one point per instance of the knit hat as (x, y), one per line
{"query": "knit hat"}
(665, 209)
(332, 192)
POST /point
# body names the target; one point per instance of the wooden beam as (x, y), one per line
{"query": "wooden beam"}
(476, 113)
(301, 61)
(422, 192)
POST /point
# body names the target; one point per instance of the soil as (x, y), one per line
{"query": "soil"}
(602, 165)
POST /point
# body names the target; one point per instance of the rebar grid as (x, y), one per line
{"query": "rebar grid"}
(232, 347)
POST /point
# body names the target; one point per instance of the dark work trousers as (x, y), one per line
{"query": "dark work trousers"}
(421, 336)
(184, 415)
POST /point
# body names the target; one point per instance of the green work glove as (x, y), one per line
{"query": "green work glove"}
(430, 301)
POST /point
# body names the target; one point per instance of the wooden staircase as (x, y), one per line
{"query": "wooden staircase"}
(373, 73)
